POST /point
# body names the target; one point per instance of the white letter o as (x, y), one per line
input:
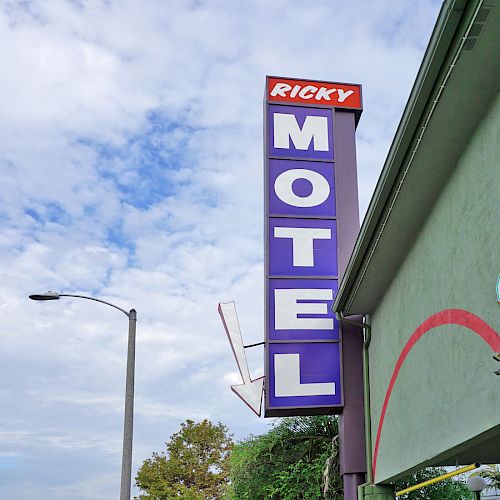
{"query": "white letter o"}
(284, 191)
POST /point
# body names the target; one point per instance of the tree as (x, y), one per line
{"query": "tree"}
(195, 466)
(297, 459)
(448, 489)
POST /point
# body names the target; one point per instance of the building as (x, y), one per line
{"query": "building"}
(426, 263)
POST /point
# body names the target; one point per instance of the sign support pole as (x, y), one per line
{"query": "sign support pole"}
(351, 421)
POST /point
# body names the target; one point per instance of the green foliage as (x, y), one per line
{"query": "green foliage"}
(448, 489)
(288, 462)
(195, 466)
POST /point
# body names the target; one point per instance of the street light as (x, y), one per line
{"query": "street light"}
(128, 424)
(476, 484)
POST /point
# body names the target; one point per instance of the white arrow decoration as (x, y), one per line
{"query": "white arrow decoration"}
(251, 390)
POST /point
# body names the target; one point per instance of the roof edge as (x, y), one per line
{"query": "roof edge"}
(435, 55)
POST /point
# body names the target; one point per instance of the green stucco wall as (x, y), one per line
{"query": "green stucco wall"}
(446, 392)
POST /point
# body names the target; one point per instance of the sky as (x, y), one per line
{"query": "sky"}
(131, 169)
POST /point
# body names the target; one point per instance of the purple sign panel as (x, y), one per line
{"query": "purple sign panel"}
(301, 309)
(304, 189)
(303, 363)
(300, 132)
(304, 374)
(302, 247)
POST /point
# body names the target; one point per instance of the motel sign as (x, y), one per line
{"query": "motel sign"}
(303, 222)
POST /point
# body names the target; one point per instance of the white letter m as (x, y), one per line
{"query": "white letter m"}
(315, 129)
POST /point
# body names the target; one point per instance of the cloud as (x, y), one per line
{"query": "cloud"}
(131, 169)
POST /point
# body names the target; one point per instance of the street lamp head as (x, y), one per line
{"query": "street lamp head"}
(45, 296)
(476, 483)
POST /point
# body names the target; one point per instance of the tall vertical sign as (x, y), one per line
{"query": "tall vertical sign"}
(303, 228)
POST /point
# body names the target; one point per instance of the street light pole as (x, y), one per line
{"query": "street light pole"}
(128, 420)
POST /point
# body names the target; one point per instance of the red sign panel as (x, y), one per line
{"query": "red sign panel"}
(335, 95)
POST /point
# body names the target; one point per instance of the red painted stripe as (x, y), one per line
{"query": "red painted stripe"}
(446, 317)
